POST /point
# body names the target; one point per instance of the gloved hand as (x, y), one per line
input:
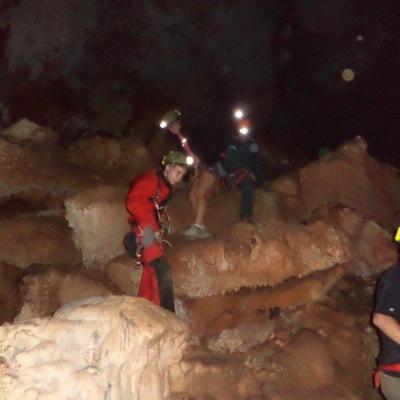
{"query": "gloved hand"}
(149, 236)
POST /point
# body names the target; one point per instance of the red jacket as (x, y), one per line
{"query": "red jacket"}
(141, 197)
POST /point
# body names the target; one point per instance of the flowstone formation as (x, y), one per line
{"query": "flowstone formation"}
(280, 307)
(116, 348)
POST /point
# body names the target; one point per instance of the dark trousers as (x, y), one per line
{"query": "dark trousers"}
(165, 285)
(246, 187)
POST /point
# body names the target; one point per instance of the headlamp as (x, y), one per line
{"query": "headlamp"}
(238, 113)
(244, 130)
(170, 117)
(189, 160)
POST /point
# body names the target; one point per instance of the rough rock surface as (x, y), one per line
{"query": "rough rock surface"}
(37, 240)
(352, 178)
(10, 297)
(128, 155)
(45, 293)
(99, 221)
(209, 315)
(223, 209)
(24, 167)
(214, 377)
(316, 351)
(24, 130)
(116, 348)
(376, 247)
(124, 274)
(371, 246)
(254, 256)
(279, 319)
(31, 202)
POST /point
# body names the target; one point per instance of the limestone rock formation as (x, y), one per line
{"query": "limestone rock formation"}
(371, 246)
(45, 293)
(99, 221)
(209, 315)
(254, 256)
(32, 202)
(25, 130)
(10, 297)
(25, 167)
(349, 177)
(376, 247)
(129, 156)
(269, 299)
(25, 241)
(124, 274)
(116, 348)
(352, 178)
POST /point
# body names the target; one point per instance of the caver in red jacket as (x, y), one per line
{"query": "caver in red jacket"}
(146, 192)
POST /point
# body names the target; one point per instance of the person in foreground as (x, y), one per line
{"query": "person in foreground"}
(146, 202)
(386, 318)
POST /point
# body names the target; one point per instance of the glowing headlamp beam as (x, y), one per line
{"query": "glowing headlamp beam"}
(189, 160)
(238, 113)
(163, 124)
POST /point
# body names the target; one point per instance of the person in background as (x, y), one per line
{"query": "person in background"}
(386, 318)
(203, 183)
(146, 201)
(242, 168)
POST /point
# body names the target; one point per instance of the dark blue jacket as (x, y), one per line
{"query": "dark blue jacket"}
(243, 155)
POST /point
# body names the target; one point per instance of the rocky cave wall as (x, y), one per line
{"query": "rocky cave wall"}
(259, 297)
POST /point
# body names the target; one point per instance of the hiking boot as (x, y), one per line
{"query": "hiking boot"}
(195, 232)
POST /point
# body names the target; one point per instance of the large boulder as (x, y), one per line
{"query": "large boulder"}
(25, 167)
(213, 314)
(128, 156)
(99, 221)
(116, 348)
(352, 178)
(25, 130)
(32, 201)
(45, 293)
(10, 296)
(371, 246)
(306, 364)
(376, 247)
(125, 274)
(255, 255)
(25, 241)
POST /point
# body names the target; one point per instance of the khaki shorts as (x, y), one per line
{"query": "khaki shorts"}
(390, 386)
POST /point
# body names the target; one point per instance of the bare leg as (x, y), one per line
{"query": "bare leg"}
(193, 195)
(206, 181)
(198, 196)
